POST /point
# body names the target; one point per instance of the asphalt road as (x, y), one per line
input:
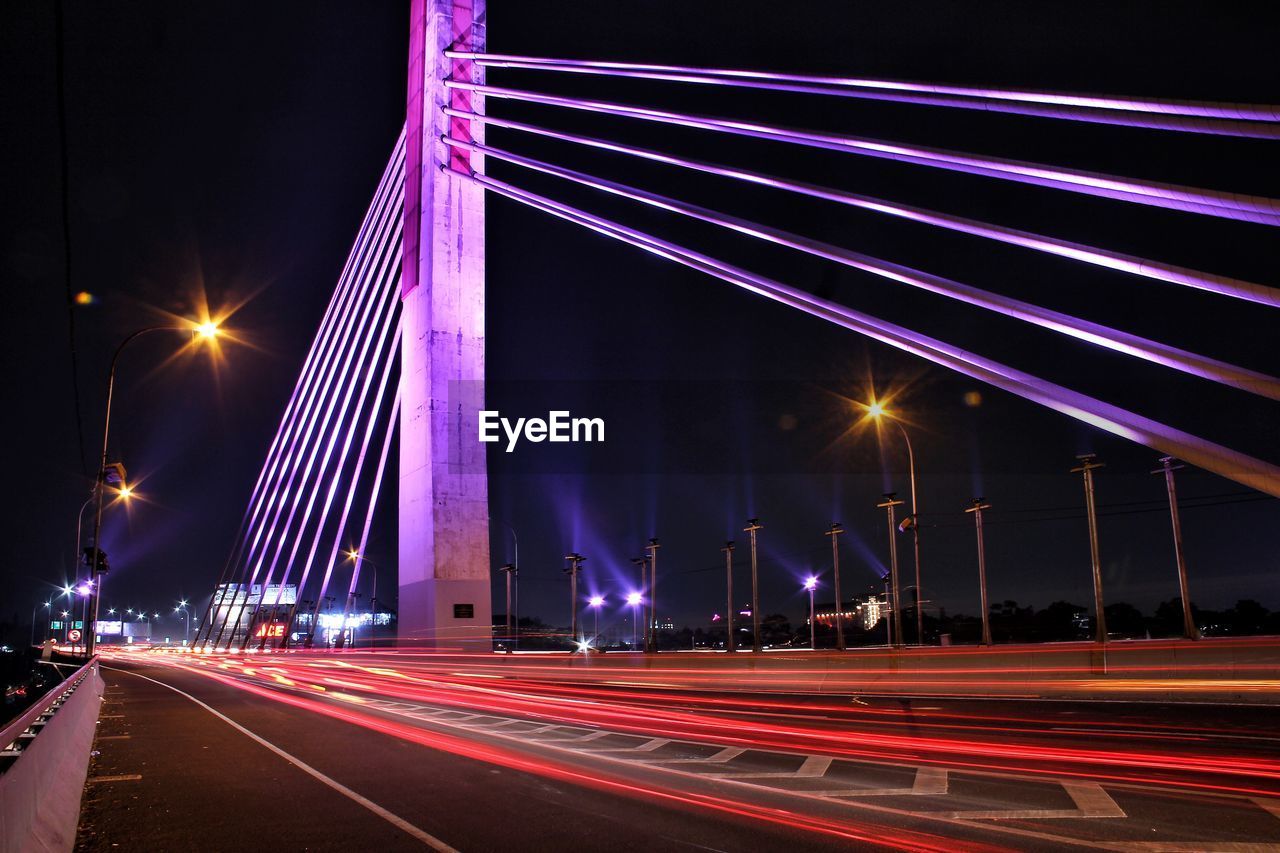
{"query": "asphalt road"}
(328, 753)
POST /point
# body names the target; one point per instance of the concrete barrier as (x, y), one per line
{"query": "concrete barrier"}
(47, 750)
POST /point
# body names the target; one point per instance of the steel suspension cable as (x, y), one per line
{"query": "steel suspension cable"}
(310, 362)
(1246, 470)
(1256, 121)
(1144, 267)
(1100, 335)
(1227, 205)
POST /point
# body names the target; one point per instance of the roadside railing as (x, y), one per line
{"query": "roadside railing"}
(44, 758)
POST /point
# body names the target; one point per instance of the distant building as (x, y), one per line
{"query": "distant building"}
(864, 613)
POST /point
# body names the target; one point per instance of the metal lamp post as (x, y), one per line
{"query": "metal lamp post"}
(888, 505)
(651, 551)
(731, 644)
(876, 410)
(1167, 466)
(509, 570)
(97, 564)
(753, 525)
(977, 508)
(182, 608)
(834, 532)
(1086, 468)
(35, 610)
(575, 567)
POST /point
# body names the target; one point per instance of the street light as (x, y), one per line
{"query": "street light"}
(834, 532)
(651, 550)
(361, 559)
(207, 330)
(634, 599)
(1088, 462)
(510, 571)
(753, 525)
(888, 505)
(34, 610)
(979, 505)
(574, 569)
(182, 608)
(595, 602)
(1167, 466)
(730, 643)
(810, 584)
(876, 410)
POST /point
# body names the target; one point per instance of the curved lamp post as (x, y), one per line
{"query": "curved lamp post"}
(97, 565)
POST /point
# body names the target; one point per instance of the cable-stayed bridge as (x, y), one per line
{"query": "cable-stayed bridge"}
(399, 355)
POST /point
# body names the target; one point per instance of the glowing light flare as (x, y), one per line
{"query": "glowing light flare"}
(595, 600)
(634, 598)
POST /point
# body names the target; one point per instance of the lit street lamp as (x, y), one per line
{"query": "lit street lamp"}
(753, 525)
(360, 560)
(595, 602)
(182, 608)
(34, 610)
(876, 411)
(634, 599)
(810, 584)
(97, 565)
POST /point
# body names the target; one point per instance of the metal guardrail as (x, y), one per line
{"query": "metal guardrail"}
(18, 735)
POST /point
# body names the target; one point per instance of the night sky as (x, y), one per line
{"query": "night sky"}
(230, 149)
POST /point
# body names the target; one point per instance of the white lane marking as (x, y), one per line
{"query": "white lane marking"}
(123, 777)
(813, 767)
(722, 757)
(655, 744)
(390, 817)
(1091, 802)
(930, 780)
(1269, 804)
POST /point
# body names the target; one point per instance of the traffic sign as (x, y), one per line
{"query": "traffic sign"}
(74, 635)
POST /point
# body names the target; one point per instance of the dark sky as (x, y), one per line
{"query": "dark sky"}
(234, 146)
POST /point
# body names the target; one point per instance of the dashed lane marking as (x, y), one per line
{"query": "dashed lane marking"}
(123, 777)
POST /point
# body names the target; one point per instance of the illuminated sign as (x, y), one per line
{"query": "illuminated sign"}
(270, 629)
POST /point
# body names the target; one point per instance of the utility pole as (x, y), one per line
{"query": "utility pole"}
(1087, 465)
(888, 504)
(575, 566)
(977, 508)
(1168, 466)
(753, 525)
(731, 643)
(509, 570)
(651, 550)
(834, 532)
